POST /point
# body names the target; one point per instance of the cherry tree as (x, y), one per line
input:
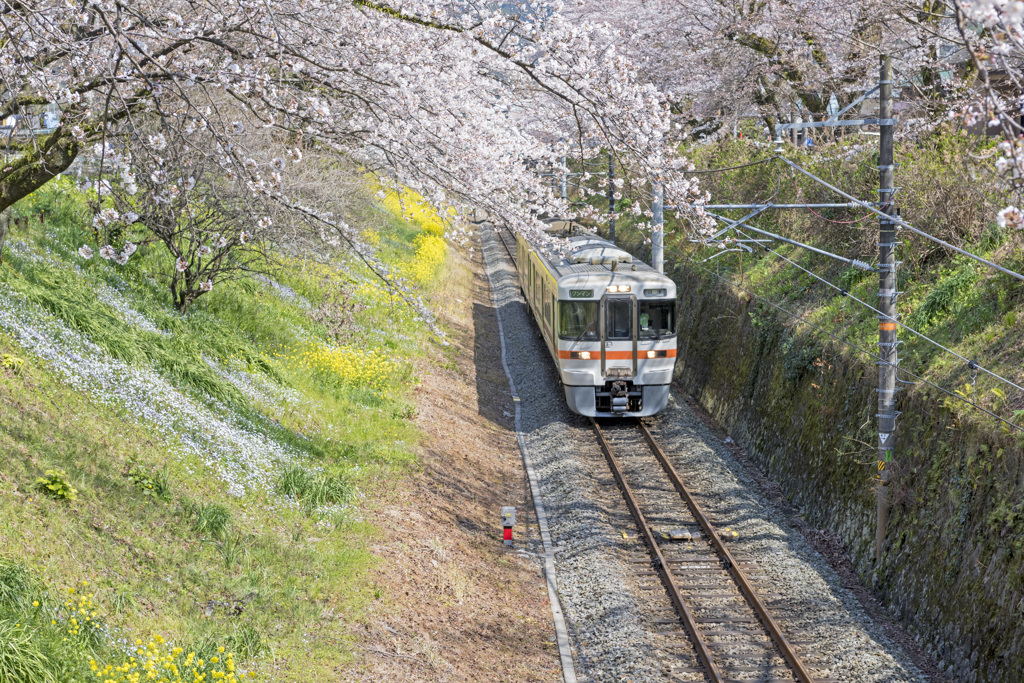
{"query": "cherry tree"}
(720, 60)
(454, 100)
(992, 33)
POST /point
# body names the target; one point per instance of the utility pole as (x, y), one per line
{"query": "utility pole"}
(887, 327)
(657, 226)
(611, 198)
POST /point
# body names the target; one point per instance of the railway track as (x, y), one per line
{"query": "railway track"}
(715, 594)
(504, 242)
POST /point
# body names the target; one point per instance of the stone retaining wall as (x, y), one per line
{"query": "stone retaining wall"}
(952, 569)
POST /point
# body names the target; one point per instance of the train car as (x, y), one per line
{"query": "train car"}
(609, 323)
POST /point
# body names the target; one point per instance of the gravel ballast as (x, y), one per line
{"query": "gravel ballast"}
(611, 623)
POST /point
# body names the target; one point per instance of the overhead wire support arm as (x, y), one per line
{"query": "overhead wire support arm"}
(831, 123)
(904, 224)
(972, 364)
(856, 263)
(844, 340)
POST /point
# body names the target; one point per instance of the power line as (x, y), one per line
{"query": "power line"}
(973, 365)
(898, 221)
(732, 168)
(853, 345)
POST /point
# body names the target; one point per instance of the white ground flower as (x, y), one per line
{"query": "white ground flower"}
(239, 453)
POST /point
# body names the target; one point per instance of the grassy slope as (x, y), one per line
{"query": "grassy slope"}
(262, 392)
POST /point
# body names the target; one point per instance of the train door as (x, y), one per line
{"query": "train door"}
(618, 324)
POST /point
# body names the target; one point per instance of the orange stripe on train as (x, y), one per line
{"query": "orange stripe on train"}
(616, 355)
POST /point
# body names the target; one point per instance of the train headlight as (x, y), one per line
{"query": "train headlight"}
(652, 354)
(657, 354)
(580, 355)
(614, 289)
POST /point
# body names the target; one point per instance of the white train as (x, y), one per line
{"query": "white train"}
(609, 322)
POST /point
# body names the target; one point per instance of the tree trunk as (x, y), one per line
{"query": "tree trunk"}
(5, 224)
(25, 175)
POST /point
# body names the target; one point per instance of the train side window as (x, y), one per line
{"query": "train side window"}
(657, 319)
(551, 314)
(547, 311)
(577, 320)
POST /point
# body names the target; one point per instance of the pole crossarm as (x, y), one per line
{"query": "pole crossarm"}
(830, 123)
(721, 207)
(853, 104)
(902, 223)
(729, 223)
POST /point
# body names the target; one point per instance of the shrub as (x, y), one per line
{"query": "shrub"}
(56, 485)
(209, 519)
(314, 490)
(16, 585)
(153, 484)
(21, 658)
(12, 363)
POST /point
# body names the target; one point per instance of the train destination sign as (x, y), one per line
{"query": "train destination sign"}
(581, 293)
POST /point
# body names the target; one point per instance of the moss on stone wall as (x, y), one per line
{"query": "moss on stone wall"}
(805, 411)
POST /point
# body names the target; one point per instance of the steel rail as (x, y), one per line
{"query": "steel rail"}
(686, 615)
(501, 237)
(755, 602)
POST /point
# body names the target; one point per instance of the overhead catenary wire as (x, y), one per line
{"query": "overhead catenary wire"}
(877, 358)
(904, 224)
(830, 220)
(731, 168)
(974, 365)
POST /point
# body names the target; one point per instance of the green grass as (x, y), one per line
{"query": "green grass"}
(165, 548)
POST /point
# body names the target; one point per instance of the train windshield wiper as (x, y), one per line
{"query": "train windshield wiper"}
(585, 330)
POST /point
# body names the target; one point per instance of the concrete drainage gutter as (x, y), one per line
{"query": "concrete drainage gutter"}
(550, 578)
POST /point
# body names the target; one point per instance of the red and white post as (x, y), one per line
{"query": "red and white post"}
(508, 520)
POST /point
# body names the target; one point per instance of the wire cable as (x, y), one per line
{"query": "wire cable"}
(973, 365)
(829, 220)
(731, 168)
(898, 221)
(855, 346)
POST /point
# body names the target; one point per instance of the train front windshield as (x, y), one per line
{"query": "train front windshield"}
(577, 320)
(657, 319)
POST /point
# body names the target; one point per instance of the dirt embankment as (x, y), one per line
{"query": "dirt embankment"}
(454, 604)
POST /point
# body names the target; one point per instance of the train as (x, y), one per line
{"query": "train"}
(608, 320)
